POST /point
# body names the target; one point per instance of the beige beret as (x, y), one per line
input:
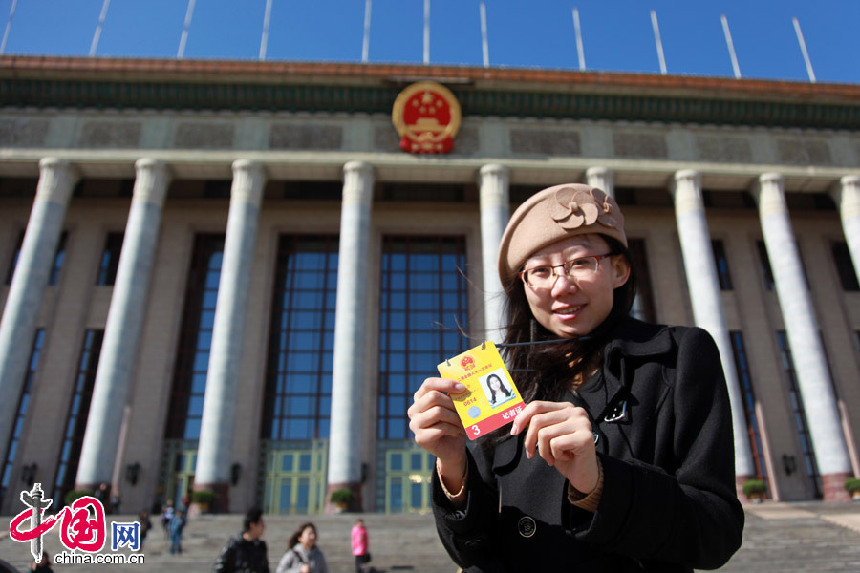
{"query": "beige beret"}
(554, 214)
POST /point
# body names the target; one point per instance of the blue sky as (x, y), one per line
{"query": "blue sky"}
(617, 34)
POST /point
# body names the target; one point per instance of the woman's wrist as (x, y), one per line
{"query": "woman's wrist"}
(590, 500)
(452, 477)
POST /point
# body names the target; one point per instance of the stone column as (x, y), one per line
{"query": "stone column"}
(810, 363)
(228, 335)
(32, 271)
(704, 289)
(847, 196)
(350, 331)
(494, 216)
(602, 178)
(118, 358)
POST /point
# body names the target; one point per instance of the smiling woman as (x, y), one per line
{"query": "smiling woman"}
(623, 458)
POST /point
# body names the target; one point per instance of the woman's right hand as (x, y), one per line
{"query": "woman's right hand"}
(437, 427)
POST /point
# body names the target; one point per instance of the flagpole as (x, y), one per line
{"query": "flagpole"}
(484, 43)
(731, 46)
(426, 32)
(189, 11)
(802, 43)
(577, 30)
(94, 46)
(264, 41)
(660, 56)
(365, 45)
(8, 28)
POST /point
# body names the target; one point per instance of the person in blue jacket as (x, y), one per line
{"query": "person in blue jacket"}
(623, 458)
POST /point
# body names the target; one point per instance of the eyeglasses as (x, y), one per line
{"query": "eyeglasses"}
(544, 276)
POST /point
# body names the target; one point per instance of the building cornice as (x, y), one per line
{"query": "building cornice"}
(231, 85)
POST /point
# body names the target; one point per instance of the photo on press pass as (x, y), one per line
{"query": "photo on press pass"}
(429, 286)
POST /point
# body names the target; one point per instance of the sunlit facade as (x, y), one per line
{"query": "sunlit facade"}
(228, 275)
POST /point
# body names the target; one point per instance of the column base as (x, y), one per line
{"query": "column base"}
(833, 486)
(354, 505)
(220, 501)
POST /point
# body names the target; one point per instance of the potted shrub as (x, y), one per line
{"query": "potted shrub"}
(75, 495)
(341, 498)
(852, 486)
(203, 499)
(754, 490)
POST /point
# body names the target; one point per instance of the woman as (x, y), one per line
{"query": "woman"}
(623, 458)
(304, 556)
(360, 545)
(495, 384)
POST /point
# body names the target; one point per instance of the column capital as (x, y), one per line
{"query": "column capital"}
(846, 194)
(849, 180)
(249, 180)
(54, 163)
(777, 178)
(153, 176)
(249, 165)
(495, 169)
(684, 177)
(773, 182)
(57, 178)
(146, 163)
(598, 171)
(601, 178)
(363, 168)
(688, 174)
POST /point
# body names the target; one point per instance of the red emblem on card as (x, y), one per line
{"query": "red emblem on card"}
(427, 117)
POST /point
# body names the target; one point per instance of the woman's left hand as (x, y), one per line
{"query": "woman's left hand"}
(560, 433)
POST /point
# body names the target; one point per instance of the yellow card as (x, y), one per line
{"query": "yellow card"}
(491, 399)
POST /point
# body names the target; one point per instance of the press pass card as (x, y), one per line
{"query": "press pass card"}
(491, 400)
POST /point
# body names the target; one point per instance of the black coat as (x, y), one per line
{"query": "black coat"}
(660, 412)
(243, 556)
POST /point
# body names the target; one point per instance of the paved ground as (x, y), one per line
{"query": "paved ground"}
(778, 537)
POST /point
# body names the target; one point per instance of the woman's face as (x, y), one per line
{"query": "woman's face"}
(495, 383)
(308, 537)
(575, 308)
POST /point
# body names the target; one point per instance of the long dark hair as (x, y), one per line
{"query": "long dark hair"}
(502, 388)
(545, 371)
(294, 538)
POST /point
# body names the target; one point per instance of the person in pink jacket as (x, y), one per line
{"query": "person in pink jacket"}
(360, 545)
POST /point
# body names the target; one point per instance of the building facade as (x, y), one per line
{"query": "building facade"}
(229, 276)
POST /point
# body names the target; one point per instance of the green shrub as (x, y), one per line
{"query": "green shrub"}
(753, 486)
(342, 495)
(75, 495)
(852, 485)
(203, 496)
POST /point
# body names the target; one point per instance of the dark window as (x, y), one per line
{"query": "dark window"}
(59, 255)
(313, 190)
(301, 340)
(110, 260)
(198, 318)
(799, 414)
(844, 266)
(423, 317)
(20, 414)
(217, 188)
(722, 263)
(643, 306)
(749, 402)
(76, 421)
(766, 272)
(431, 192)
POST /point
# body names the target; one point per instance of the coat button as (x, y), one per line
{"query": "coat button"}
(527, 526)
